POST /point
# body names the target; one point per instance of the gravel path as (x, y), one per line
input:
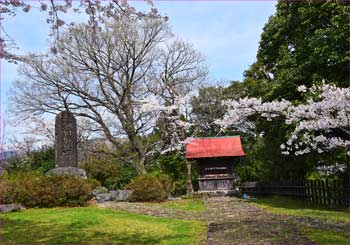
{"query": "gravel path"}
(233, 220)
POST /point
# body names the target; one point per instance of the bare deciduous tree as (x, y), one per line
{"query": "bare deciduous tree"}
(105, 76)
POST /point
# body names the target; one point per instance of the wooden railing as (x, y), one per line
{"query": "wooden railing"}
(324, 193)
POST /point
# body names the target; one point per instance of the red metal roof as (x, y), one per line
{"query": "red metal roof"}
(214, 147)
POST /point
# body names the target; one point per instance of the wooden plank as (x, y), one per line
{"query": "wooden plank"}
(328, 193)
(324, 197)
(347, 191)
(340, 194)
(315, 191)
(307, 189)
(313, 196)
(334, 204)
(304, 190)
(310, 191)
(318, 192)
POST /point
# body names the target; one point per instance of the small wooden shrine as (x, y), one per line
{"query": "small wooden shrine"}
(215, 158)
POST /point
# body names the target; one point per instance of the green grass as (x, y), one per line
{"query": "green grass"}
(288, 206)
(327, 237)
(193, 205)
(92, 225)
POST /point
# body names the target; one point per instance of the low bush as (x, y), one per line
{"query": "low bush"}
(110, 174)
(40, 160)
(150, 187)
(174, 166)
(36, 190)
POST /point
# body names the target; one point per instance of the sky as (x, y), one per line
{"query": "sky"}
(226, 32)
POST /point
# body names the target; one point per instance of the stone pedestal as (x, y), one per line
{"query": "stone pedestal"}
(78, 172)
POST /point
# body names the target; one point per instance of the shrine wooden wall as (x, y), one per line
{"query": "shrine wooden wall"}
(216, 174)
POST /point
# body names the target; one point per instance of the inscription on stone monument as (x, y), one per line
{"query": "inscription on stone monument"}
(66, 140)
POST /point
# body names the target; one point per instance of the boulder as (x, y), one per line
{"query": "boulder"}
(103, 197)
(5, 208)
(118, 196)
(121, 195)
(78, 172)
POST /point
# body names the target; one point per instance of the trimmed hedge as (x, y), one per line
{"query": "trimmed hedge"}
(150, 187)
(36, 190)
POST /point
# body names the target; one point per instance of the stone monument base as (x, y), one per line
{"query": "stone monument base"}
(78, 172)
(216, 193)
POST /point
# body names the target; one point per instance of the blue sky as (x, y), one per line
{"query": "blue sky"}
(226, 32)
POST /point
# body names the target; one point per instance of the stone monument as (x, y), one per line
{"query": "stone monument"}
(66, 152)
(66, 140)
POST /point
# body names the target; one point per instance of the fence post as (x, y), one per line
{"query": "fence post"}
(333, 195)
(303, 183)
(307, 196)
(316, 191)
(328, 193)
(313, 191)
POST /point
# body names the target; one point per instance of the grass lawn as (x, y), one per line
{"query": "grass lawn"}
(85, 225)
(288, 206)
(284, 205)
(193, 205)
(327, 237)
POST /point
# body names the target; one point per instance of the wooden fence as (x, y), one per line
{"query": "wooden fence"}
(324, 193)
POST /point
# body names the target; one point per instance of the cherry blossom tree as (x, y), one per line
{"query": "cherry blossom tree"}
(322, 123)
(104, 76)
(95, 10)
(319, 124)
(175, 126)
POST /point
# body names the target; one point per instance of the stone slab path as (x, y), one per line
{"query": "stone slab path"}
(233, 220)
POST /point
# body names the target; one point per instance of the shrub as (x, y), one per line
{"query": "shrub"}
(36, 190)
(165, 182)
(110, 174)
(43, 159)
(40, 160)
(150, 187)
(174, 166)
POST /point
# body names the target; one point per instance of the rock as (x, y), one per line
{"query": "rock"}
(99, 190)
(103, 197)
(121, 195)
(118, 195)
(5, 208)
(78, 172)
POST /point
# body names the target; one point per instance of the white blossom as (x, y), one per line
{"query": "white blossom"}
(302, 88)
(326, 113)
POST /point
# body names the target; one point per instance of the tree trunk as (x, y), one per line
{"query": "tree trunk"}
(140, 168)
(189, 187)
